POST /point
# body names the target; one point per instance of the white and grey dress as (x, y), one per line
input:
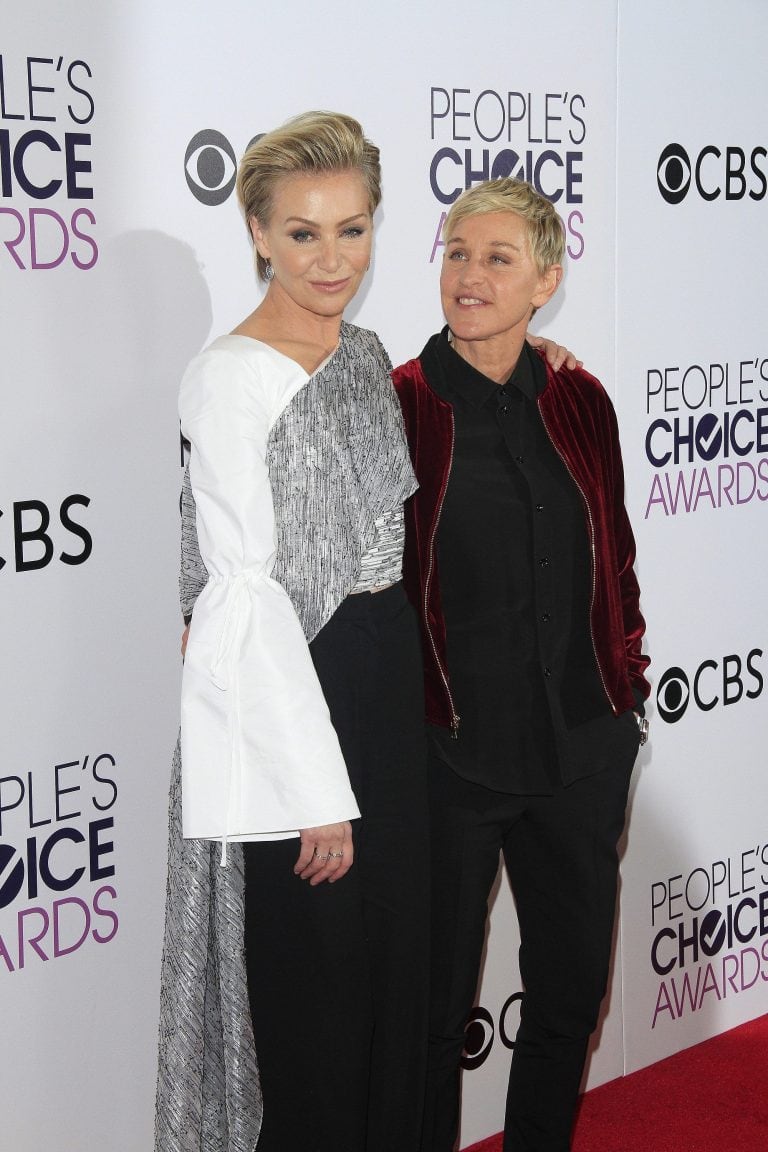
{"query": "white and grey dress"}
(294, 500)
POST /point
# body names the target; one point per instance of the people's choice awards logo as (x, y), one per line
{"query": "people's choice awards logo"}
(57, 860)
(706, 437)
(478, 134)
(708, 934)
(47, 110)
(730, 172)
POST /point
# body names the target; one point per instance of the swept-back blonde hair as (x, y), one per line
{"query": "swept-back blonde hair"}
(314, 142)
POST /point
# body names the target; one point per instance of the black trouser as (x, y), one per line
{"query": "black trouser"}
(560, 854)
(337, 974)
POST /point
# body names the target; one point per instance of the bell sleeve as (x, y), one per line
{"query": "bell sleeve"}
(260, 756)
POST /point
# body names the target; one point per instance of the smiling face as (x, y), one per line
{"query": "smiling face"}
(489, 283)
(318, 240)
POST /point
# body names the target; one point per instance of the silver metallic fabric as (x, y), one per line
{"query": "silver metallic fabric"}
(382, 564)
(337, 462)
(208, 1096)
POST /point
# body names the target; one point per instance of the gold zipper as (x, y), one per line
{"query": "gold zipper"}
(455, 720)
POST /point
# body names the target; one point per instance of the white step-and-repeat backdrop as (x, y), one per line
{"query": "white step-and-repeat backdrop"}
(122, 253)
(693, 403)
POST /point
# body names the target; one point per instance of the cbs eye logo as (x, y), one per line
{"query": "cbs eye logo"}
(478, 1038)
(673, 173)
(210, 166)
(715, 682)
(672, 695)
(480, 1032)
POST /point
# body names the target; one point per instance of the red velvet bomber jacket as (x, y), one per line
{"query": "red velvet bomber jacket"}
(581, 423)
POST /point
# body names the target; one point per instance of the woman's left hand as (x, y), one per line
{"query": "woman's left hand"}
(326, 853)
(557, 355)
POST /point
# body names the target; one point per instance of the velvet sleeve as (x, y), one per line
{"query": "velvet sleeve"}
(633, 621)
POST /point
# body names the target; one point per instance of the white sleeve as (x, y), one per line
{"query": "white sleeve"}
(259, 753)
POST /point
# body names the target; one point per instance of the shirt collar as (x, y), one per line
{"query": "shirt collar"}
(528, 375)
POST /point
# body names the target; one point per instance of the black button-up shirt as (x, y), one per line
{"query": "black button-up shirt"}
(515, 580)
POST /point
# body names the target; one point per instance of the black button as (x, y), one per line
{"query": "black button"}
(544, 562)
(546, 617)
(547, 672)
(539, 507)
(503, 408)
(519, 459)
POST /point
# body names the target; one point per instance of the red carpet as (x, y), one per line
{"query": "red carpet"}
(710, 1098)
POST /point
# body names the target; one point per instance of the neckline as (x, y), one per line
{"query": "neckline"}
(284, 355)
(472, 383)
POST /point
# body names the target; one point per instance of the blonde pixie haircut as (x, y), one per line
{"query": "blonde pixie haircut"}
(318, 142)
(546, 239)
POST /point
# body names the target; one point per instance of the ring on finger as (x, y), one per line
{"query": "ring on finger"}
(322, 859)
(336, 855)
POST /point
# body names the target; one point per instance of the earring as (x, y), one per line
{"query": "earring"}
(269, 271)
